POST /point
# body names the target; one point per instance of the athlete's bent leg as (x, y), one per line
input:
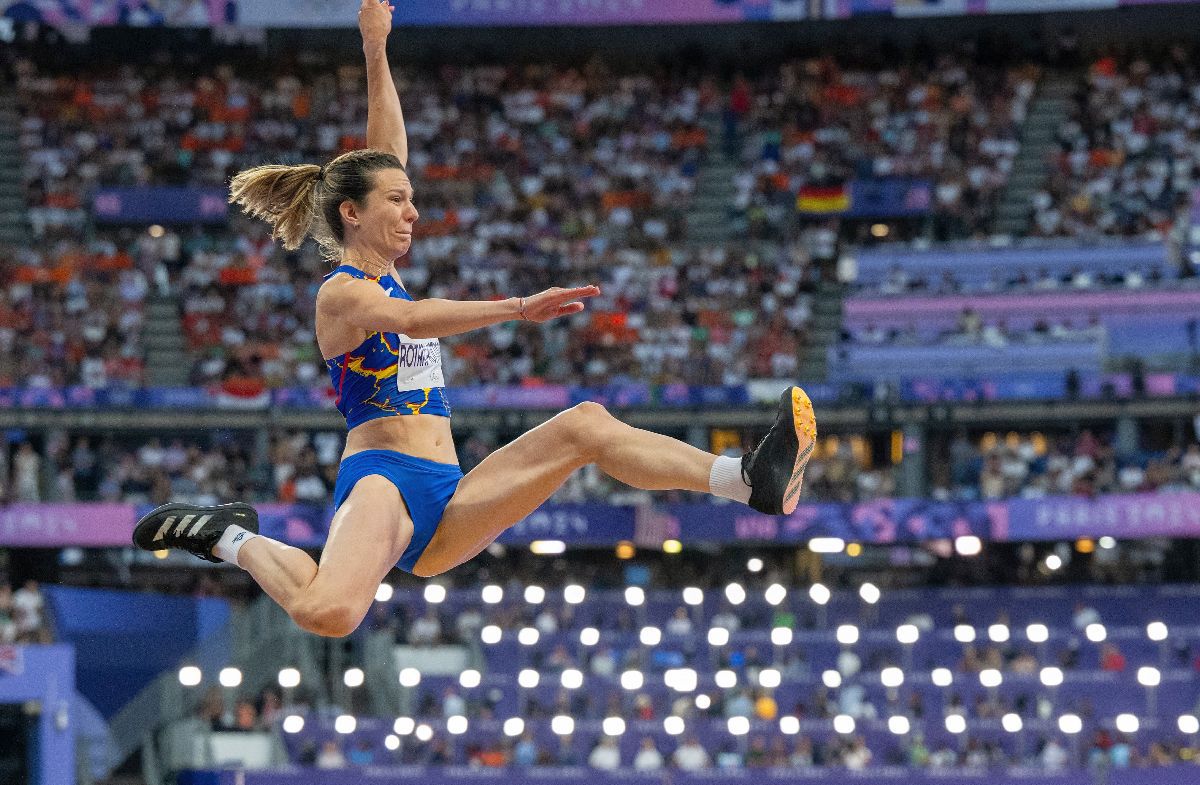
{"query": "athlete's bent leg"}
(516, 479)
(367, 536)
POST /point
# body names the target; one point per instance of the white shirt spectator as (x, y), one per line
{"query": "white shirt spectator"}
(690, 756)
(606, 756)
(648, 757)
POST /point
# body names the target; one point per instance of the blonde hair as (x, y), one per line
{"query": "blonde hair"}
(305, 200)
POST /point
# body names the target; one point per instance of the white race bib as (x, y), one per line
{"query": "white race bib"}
(418, 364)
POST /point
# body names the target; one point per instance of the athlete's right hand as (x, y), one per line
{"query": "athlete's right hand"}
(375, 21)
(555, 302)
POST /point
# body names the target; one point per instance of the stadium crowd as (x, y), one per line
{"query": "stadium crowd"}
(302, 467)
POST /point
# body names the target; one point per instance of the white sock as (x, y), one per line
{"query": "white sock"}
(232, 540)
(725, 480)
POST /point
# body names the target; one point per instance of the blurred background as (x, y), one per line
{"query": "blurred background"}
(969, 230)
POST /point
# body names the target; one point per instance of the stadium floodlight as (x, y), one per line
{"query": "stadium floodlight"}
(563, 725)
(632, 680)
(718, 636)
(725, 679)
(869, 593)
(735, 593)
(391, 742)
(614, 726)
(831, 679)
(789, 725)
(491, 634)
(404, 726)
(754, 564)
(1127, 723)
(775, 594)
(891, 677)
(819, 593)
(1012, 722)
(528, 678)
(384, 592)
(673, 725)
(681, 679)
(991, 678)
(230, 677)
(289, 678)
(1037, 633)
(410, 677)
(739, 726)
(1107, 542)
(456, 725)
(942, 677)
(190, 675)
(847, 634)
(572, 678)
(492, 594)
(535, 595)
(827, 545)
(899, 724)
(693, 595)
(589, 636)
(998, 633)
(514, 726)
(635, 596)
(964, 633)
(435, 593)
(574, 594)
(781, 636)
(353, 677)
(968, 545)
(1070, 724)
(703, 702)
(672, 546)
(1052, 676)
(528, 636)
(1156, 631)
(843, 724)
(424, 732)
(769, 678)
(1054, 562)
(650, 636)
(908, 634)
(956, 723)
(1189, 724)
(1095, 632)
(1148, 676)
(345, 724)
(470, 678)
(547, 547)
(293, 723)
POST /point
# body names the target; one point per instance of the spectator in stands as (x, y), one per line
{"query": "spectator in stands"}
(525, 752)
(606, 755)
(690, 755)
(648, 757)
(453, 704)
(1111, 659)
(426, 630)
(330, 756)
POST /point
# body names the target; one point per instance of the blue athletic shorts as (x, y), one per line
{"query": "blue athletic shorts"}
(425, 486)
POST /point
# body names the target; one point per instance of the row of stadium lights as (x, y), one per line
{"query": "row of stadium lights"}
(844, 724)
(966, 545)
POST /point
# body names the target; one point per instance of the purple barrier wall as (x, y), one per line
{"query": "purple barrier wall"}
(45, 675)
(1178, 775)
(900, 311)
(884, 521)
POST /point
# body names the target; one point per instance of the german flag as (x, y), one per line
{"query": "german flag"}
(823, 200)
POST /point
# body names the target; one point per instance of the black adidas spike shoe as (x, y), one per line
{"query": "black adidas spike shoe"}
(192, 528)
(775, 468)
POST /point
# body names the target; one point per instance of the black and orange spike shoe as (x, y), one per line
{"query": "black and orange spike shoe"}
(774, 469)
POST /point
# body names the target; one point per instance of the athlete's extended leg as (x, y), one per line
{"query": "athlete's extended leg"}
(367, 536)
(513, 481)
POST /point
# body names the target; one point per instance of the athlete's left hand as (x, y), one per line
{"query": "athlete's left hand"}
(375, 22)
(555, 302)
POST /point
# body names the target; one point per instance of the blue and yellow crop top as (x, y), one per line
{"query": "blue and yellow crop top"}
(389, 374)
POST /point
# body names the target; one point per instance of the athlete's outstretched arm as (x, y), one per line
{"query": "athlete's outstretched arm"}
(366, 306)
(385, 120)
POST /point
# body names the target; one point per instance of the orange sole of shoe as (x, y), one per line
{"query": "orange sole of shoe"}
(804, 420)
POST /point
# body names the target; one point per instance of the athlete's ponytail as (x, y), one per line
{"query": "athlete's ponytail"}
(304, 200)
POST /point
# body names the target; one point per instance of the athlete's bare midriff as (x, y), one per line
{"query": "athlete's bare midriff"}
(421, 435)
